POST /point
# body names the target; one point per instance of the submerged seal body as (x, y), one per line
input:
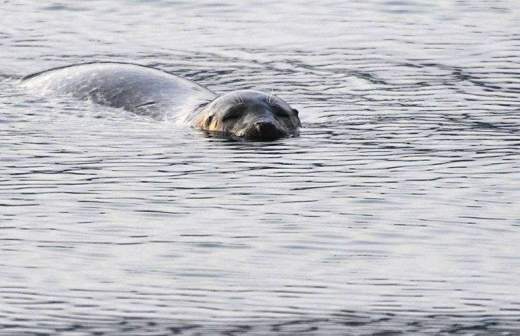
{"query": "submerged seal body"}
(246, 114)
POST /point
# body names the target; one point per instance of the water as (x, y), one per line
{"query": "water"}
(394, 213)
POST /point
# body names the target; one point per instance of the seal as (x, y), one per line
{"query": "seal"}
(244, 114)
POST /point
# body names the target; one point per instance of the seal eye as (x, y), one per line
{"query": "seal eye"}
(295, 111)
(233, 113)
(280, 112)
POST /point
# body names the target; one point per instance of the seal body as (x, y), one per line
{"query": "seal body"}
(243, 114)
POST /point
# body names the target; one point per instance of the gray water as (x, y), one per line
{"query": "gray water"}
(394, 213)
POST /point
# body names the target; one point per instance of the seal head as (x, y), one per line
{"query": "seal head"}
(250, 115)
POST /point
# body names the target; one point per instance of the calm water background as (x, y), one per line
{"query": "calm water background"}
(395, 212)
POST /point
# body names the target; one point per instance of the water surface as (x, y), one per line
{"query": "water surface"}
(395, 212)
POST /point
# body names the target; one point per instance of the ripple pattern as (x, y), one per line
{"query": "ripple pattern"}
(394, 213)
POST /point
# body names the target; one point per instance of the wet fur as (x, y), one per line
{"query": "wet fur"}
(148, 91)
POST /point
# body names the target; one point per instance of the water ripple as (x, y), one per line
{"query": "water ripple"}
(393, 213)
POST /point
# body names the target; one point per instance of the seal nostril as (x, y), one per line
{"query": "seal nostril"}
(265, 130)
(264, 127)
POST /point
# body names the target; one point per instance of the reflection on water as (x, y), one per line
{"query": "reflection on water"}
(393, 213)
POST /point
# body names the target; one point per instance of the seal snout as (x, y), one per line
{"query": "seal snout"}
(264, 130)
(265, 127)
